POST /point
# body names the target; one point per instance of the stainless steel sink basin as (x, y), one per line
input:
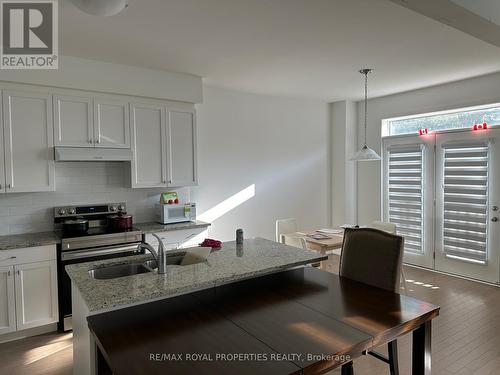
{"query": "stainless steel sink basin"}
(171, 261)
(120, 270)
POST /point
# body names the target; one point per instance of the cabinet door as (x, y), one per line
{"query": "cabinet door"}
(2, 157)
(29, 141)
(148, 145)
(73, 121)
(7, 302)
(111, 123)
(181, 148)
(36, 294)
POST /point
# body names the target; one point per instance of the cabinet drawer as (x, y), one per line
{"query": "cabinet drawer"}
(27, 255)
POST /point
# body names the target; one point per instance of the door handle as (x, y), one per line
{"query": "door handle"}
(494, 219)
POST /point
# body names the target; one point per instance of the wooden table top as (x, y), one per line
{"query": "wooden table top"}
(300, 314)
(334, 242)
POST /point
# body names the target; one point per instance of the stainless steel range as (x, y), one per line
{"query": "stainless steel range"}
(97, 242)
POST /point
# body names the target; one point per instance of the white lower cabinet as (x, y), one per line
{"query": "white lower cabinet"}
(7, 300)
(28, 291)
(36, 294)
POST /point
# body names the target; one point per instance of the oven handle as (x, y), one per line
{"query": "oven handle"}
(71, 255)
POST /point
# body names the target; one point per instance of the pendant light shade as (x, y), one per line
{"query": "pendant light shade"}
(366, 153)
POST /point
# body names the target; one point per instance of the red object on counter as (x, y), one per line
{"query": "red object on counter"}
(176, 201)
(214, 244)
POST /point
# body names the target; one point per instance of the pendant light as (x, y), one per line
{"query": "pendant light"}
(366, 153)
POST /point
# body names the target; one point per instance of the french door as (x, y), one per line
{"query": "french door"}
(443, 193)
(467, 201)
(408, 179)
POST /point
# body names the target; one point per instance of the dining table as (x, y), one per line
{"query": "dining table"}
(333, 238)
(299, 321)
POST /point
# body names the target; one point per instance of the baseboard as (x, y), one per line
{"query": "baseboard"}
(11, 336)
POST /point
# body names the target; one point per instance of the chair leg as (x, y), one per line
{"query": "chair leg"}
(403, 280)
(392, 349)
(347, 369)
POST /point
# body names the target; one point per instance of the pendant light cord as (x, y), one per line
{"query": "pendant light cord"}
(366, 101)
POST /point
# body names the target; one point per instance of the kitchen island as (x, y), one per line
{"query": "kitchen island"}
(231, 263)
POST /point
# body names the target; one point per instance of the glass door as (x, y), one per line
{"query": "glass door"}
(467, 201)
(408, 194)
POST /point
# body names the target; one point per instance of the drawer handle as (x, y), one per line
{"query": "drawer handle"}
(9, 258)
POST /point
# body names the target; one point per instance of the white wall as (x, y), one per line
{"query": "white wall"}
(280, 145)
(84, 74)
(475, 91)
(343, 144)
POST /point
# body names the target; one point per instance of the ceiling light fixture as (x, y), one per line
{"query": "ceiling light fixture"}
(366, 153)
(101, 7)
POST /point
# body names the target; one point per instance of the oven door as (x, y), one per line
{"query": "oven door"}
(81, 256)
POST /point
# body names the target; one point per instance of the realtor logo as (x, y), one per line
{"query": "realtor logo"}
(29, 34)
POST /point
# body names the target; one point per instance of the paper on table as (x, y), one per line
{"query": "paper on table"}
(195, 255)
(330, 231)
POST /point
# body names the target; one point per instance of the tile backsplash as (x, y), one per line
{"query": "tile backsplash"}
(79, 183)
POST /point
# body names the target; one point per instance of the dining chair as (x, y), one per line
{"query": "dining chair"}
(294, 241)
(390, 228)
(373, 257)
(284, 226)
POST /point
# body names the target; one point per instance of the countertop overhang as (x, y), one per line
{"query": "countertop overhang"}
(230, 263)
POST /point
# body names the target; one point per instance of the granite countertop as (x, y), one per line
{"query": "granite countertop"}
(17, 241)
(153, 227)
(228, 264)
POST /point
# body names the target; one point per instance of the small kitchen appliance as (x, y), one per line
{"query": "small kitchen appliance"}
(175, 213)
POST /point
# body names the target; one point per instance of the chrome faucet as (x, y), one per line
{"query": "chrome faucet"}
(158, 255)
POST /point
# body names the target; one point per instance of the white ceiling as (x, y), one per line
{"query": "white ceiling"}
(304, 48)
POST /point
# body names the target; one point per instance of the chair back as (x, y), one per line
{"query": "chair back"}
(284, 226)
(295, 241)
(372, 257)
(385, 226)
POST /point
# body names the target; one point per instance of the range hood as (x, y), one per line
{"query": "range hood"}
(92, 154)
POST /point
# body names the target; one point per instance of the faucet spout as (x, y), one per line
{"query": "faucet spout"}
(159, 256)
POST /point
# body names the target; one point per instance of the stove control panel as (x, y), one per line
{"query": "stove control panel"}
(89, 210)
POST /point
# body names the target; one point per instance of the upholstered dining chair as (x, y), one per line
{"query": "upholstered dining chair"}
(390, 228)
(373, 257)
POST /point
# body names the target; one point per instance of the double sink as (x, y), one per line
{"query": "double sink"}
(130, 269)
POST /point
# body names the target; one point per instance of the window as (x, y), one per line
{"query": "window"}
(445, 120)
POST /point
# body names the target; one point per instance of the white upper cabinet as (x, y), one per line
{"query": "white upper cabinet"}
(73, 121)
(36, 294)
(181, 147)
(7, 301)
(28, 141)
(111, 123)
(148, 145)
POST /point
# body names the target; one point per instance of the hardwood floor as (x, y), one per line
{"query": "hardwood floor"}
(466, 335)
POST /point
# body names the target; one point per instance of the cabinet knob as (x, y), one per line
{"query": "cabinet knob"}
(98, 140)
(90, 141)
(494, 219)
(9, 186)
